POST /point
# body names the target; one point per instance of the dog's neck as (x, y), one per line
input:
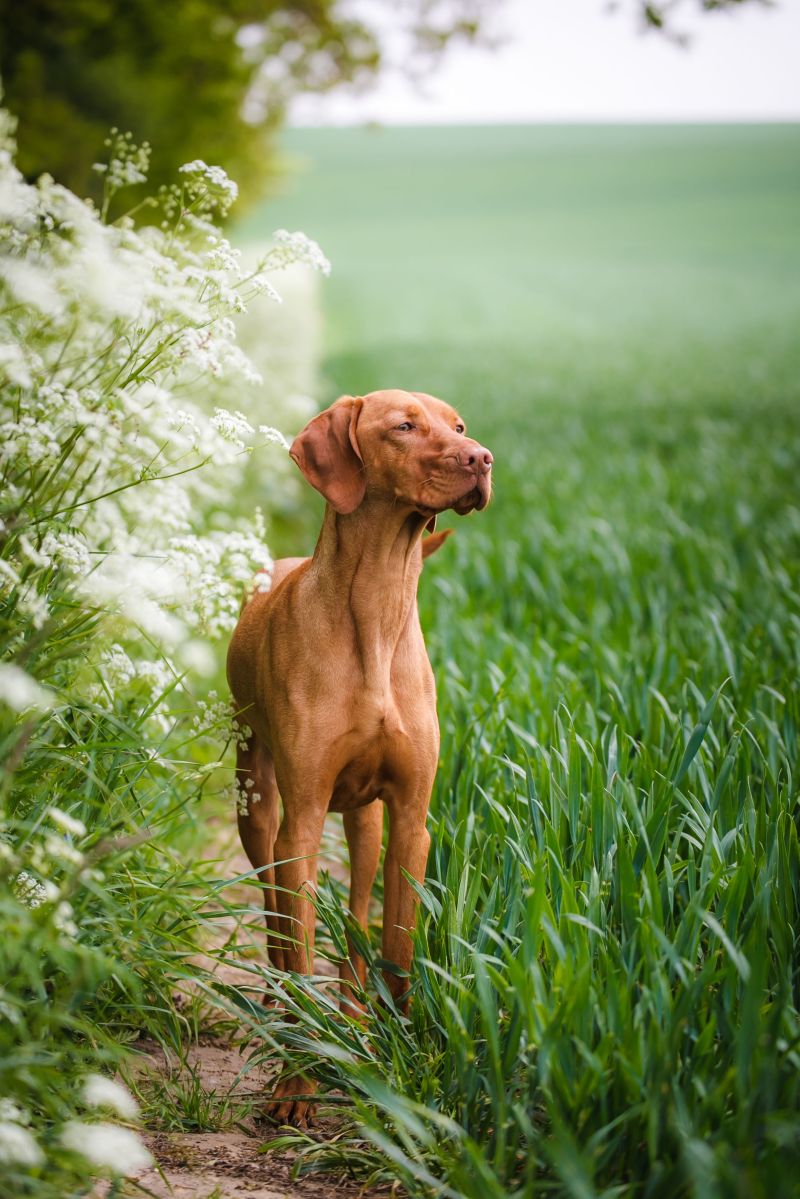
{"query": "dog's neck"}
(367, 565)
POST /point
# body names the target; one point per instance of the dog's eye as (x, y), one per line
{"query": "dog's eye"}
(406, 427)
(460, 429)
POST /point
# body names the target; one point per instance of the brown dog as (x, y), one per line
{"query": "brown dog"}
(329, 671)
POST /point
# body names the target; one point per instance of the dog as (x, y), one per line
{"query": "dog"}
(328, 670)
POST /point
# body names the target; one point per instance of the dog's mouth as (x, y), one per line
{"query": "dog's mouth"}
(476, 499)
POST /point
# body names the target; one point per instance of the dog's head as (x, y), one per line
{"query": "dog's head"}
(404, 446)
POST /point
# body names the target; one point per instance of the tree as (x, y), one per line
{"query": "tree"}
(664, 15)
(212, 79)
(204, 79)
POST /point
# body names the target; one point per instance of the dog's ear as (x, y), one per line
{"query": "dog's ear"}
(431, 525)
(431, 544)
(328, 455)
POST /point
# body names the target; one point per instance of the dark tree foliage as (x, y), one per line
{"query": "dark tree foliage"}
(665, 15)
(196, 78)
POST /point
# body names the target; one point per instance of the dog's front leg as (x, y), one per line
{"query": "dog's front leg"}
(296, 860)
(407, 851)
(364, 831)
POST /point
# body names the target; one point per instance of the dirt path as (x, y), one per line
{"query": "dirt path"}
(209, 1085)
(230, 1164)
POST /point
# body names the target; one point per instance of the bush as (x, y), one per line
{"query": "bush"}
(117, 571)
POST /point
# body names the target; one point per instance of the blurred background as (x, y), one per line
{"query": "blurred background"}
(530, 192)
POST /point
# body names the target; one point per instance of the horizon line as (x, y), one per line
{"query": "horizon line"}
(512, 122)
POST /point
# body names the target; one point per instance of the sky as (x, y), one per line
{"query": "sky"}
(573, 60)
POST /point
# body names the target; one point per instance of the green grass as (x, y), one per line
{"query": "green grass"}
(179, 1102)
(520, 235)
(606, 984)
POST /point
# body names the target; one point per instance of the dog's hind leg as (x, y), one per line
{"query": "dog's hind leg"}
(259, 818)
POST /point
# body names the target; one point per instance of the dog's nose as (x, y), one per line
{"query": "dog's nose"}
(475, 457)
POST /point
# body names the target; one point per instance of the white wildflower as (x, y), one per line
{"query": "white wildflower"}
(214, 177)
(28, 441)
(99, 1091)
(67, 823)
(240, 800)
(61, 850)
(263, 287)
(9, 1110)
(116, 668)
(35, 606)
(18, 1146)
(90, 875)
(63, 919)
(15, 366)
(232, 426)
(199, 348)
(141, 592)
(214, 714)
(9, 577)
(273, 435)
(32, 285)
(32, 892)
(107, 1146)
(186, 423)
(241, 733)
(128, 162)
(296, 247)
(224, 257)
(68, 550)
(104, 329)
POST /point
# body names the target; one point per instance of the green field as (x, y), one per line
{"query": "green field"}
(607, 984)
(521, 236)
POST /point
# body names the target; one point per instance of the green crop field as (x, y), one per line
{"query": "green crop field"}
(606, 985)
(527, 236)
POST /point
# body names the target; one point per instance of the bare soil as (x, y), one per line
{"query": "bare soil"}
(235, 1163)
(229, 1166)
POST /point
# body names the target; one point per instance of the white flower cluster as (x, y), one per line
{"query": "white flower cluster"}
(18, 1145)
(99, 1091)
(112, 339)
(212, 179)
(54, 852)
(292, 248)
(20, 692)
(105, 1146)
(129, 417)
(128, 163)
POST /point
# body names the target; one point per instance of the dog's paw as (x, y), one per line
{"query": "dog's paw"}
(290, 1102)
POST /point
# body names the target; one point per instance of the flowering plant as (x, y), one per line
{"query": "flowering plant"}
(120, 435)
(109, 339)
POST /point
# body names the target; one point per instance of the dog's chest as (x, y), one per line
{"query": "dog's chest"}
(382, 751)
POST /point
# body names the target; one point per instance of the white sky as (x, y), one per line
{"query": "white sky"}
(572, 60)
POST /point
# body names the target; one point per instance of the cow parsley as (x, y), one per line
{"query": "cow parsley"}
(129, 416)
(107, 1146)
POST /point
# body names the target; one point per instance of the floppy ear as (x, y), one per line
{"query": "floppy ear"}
(431, 525)
(327, 453)
(431, 544)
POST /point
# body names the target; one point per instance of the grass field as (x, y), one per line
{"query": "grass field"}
(607, 982)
